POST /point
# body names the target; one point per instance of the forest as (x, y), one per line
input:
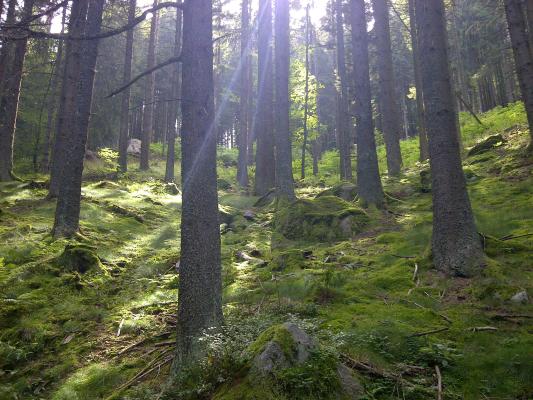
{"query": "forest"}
(266, 199)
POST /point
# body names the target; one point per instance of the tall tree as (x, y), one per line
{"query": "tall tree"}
(456, 245)
(174, 104)
(242, 165)
(6, 50)
(125, 100)
(369, 186)
(523, 56)
(10, 93)
(264, 170)
(67, 215)
(306, 100)
(200, 286)
(343, 112)
(284, 178)
(420, 115)
(390, 113)
(149, 94)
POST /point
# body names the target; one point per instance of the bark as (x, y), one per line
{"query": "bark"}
(284, 178)
(265, 163)
(200, 286)
(174, 106)
(529, 16)
(67, 214)
(125, 101)
(343, 110)
(6, 51)
(390, 113)
(10, 93)
(369, 186)
(420, 119)
(242, 166)
(149, 96)
(456, 245)
(522, 55)
(306, 100)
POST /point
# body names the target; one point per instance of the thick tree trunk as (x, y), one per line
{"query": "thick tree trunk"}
(456, 245)
(53, 102)
(306, 100)
(529, 16)
(343, 110)
(67, 104)
(284, 178)
(173, 127)
(9, 101)
(242, 165)
(6, 51)
(67, 214)
(420, 119)
(200, 285)
(149, 95)
(369, 186)
(522, 55)
(390, 114)
(265, 175)
(125, 100)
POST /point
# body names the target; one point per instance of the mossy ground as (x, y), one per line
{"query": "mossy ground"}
(59, 327)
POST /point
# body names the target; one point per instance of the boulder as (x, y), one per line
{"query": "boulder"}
(134, 147)
(79, 258)
(172, 188)
(345, 190)
(520, 298)
(249, 215)
(488, 144)
(326, 218)
(90, 155)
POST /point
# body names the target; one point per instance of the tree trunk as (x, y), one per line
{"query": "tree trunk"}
(284, 178)
(456, 246)
(67, 214)
(306, 100)
(390, 113)
(523, 58)
(125, 100)
(67, 103)
(420, 119)
(242, 165)
(265, 176)
(6, 51)
(369, 186)
(9, 102)
(343, 110)
(200, 285)
(149, 95)
(174, 105)
(529, 16)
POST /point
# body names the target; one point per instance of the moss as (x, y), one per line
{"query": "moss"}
(79, 257)
(488, 144)
(345, 190)
(278, 334)
(495, 247)
(326, 218)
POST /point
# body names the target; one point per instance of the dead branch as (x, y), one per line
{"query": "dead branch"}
(439, 382)
(511, 237)
(483, 328)
(430, 332)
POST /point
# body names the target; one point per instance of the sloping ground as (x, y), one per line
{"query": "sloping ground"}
(372, 300)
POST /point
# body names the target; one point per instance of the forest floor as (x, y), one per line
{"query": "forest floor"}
(104, 328)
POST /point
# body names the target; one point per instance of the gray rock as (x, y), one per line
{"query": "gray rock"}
(520, 298)
(303, 342)
(134, 147)
(248, 215)
(351, 386)
(271, 358)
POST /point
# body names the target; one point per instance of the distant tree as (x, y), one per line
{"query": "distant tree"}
(389, 110)
(456, 245)
(149, 94)
(284, 178)
(242, 165)
(306, 100)
(67, 215)
(265, 161)
(369, 186)
(523, 57)
(200, 284)
(125, 100)
(11, 79)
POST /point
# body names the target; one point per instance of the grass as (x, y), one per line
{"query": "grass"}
(58, 327)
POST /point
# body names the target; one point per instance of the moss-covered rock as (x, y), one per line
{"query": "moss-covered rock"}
(79, 258)
(223, 184)
(345, 190)
(488, 144)
(326, 218)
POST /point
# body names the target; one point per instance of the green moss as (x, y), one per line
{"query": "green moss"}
(79, 257)
(326, 218)
(278, 334)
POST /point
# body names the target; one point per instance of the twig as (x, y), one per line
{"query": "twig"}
(483, 328)
(439, 383)
(407, 257)
(510, 316)
(366, 368)
(120, 327)
(510, 237)
(430, 332)
(415, 275)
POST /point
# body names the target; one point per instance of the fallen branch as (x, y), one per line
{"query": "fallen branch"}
(510, 316)
(483, 328)
(511, 237)
(366, 368)
(439, 382)
(430, 332)
(407, 257)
